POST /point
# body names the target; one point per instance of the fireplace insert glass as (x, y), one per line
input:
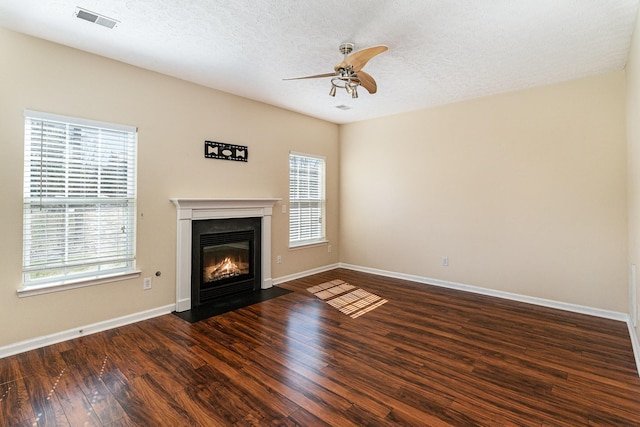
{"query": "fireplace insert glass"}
(221, 262)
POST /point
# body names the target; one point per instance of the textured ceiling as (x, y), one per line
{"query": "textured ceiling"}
(439, 51)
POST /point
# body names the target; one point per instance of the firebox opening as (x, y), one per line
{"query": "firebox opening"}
(225, 261)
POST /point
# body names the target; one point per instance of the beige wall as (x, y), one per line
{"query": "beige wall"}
(174, 119)
(633, 148)
(524, 192)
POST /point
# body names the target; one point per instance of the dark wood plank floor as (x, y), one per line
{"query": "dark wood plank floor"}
(429, 356)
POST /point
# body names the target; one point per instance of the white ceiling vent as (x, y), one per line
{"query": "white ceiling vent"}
(95, 18)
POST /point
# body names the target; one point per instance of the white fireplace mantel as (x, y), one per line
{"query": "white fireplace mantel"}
(190, 210)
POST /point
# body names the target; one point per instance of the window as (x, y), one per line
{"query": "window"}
(306, 200)
(79, 200)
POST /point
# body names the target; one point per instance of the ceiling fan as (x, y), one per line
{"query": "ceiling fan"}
(348, 74)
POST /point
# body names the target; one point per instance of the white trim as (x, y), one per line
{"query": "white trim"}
(44, 341)
(313, 156)
(592, 311)
(575, 308)
(189, 210)
(302, 274)
(306, 226)
(28, 291)
(308, 244)
(70, 334)
(633, 295)
(40, 115)
(635, 345)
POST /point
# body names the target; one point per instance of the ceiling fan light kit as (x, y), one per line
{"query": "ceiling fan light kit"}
(348, 74)
(348, 82)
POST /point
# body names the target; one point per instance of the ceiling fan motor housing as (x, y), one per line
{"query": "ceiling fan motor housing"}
(346, 48)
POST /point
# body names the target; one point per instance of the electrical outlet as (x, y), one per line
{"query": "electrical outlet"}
(328, 248)
(146, 283)
(445, 261)
(279, 259)
(284, 208)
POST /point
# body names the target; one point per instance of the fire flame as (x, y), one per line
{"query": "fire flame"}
(224, 269)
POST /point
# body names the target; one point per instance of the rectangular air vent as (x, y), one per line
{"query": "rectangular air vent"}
(343, 107)
(95, 18)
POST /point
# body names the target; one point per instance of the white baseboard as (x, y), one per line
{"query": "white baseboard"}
(46, 340)
(43, 341)
(302, 274)
(634, 344)
(607, 314)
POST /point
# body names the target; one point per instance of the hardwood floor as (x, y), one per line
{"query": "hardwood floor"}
(429, 356)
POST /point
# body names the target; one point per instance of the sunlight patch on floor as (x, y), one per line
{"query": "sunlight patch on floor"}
(343, 296)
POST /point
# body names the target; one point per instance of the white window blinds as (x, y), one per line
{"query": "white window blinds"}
(79, 199)
(306, 199)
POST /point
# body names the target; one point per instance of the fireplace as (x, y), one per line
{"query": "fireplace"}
(192, 212)
(225, 258)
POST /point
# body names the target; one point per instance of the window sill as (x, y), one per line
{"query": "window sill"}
(308, 245)
(80, 283)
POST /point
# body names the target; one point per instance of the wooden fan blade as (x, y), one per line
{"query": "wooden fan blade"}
(360, 58)
(312, 77)
(367, 82)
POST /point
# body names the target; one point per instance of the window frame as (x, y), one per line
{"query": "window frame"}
(118, 192)
(320, 238)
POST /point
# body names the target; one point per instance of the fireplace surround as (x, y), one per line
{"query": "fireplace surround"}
(225, 258)
(192, 211)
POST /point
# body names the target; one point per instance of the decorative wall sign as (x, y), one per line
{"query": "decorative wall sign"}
(219, 150)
